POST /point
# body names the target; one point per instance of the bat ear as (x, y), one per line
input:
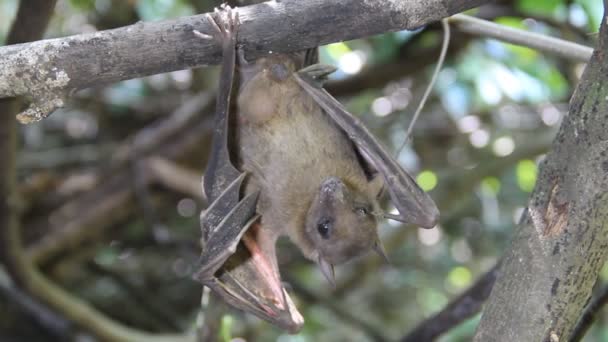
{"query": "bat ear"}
(379, 248)
(376, 186)
(328, 270)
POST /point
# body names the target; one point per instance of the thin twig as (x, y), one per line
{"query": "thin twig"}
(176, 177)
(532, 40)
(53, 322)
(429, 88)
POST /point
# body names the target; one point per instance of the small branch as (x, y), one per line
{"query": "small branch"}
(457, 311)
(47, 70)
(152, 306)
(55, 323)
(589, 315)
(532, 40)
(176, 177)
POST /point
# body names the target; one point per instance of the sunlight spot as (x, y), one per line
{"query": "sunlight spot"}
(480, 138)
(503, 146)
(550, 115)
(382, 106)
(460, 277)
(469, 123)
(427, 180)
(429, 237)
(186, 207)
(461, 251)
(351, 62)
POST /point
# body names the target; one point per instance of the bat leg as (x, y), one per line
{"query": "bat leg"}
(413, 204)
(220, 172)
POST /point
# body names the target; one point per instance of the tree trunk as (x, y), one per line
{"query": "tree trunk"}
(561, 243)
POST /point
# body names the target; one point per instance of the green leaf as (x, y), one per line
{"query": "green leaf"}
(460, 277)
(542, 7)
(490, 185)
(526, 175)
(226, 327)
(595, 12)
(427, 180)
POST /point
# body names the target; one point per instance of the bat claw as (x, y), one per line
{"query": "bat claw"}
(317, 72)
(224, 24)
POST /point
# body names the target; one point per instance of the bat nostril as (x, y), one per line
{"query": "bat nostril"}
(330, 185)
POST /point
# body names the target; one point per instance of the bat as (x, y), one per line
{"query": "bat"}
(236, 270)
(305, 168)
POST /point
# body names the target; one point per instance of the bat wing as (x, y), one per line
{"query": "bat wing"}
(413, 204)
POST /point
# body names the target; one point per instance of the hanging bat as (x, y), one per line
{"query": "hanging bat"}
(235, 266)
(306, 168)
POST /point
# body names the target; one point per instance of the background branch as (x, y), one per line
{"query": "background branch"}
(552, 45)
(463, 307)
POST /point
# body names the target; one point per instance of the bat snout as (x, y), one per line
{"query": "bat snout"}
(332, 189)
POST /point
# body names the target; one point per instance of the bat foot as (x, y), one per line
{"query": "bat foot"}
(317, 73)
(224, 25)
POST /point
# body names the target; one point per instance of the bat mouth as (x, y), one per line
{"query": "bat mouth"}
(253, 283)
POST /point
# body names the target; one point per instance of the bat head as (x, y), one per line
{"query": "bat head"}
(340, 222)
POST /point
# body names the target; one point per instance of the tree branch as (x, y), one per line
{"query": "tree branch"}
(532, 40)
(457, 311)
(47, 71)
(559, 247)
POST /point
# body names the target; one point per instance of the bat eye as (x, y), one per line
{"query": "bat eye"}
(324, 228)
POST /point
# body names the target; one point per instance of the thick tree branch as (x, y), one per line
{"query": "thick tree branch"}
(48, 70)
(561, 243)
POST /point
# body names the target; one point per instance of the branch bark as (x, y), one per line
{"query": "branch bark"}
(47, 71)
(561, 242)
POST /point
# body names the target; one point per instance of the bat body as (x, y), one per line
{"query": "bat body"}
(305, 168)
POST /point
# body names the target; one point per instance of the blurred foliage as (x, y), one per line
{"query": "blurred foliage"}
(492, 101)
